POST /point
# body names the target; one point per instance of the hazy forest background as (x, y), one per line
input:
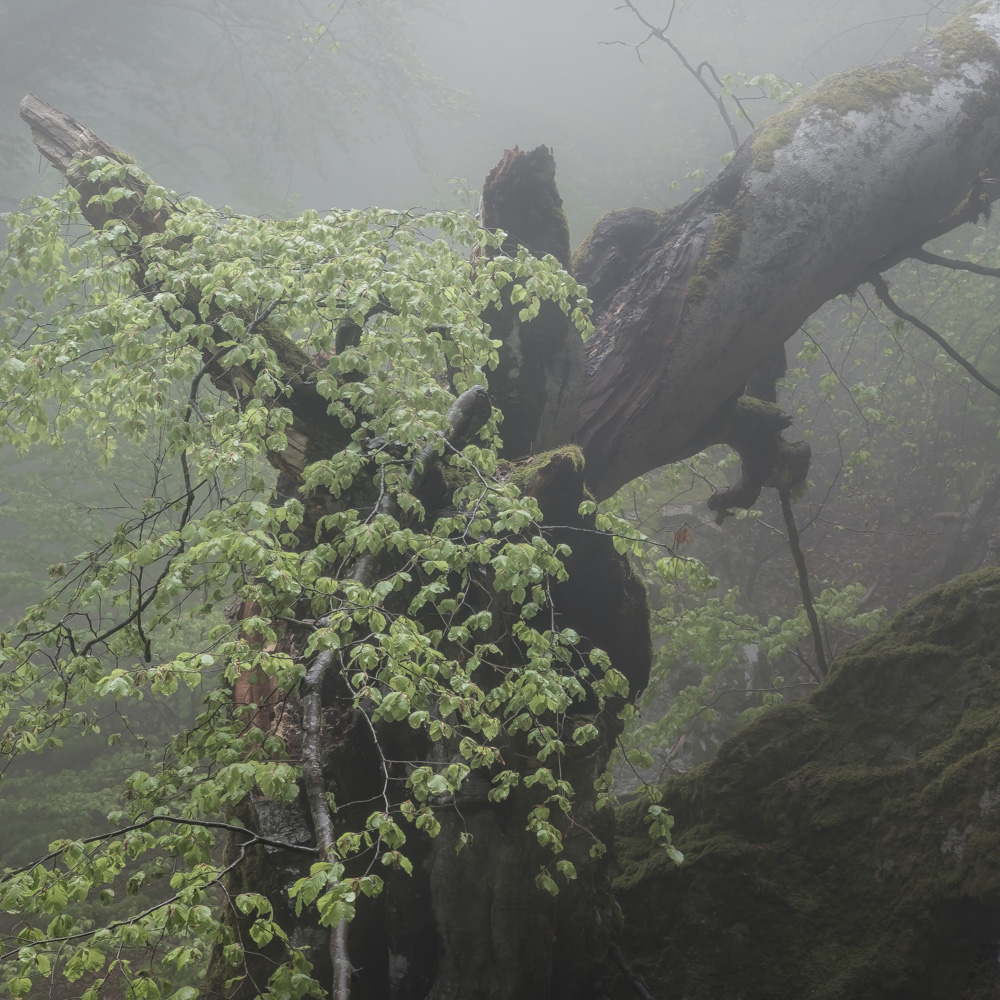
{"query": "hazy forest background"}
(273, 109)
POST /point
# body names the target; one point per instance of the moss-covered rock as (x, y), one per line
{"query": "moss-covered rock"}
(846, 846)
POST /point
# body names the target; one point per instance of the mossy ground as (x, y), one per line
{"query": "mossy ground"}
(845, 846)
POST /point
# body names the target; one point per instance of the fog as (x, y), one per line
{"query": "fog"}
(219, 101)
(404, 104)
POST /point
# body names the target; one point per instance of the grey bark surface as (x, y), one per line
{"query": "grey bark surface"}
(847, 193)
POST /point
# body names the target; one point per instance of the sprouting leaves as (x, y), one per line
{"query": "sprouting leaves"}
(190, 344)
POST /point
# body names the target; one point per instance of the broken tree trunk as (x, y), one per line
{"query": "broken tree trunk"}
(851, 177)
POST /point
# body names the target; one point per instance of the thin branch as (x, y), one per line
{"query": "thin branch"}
(803, 573)
(955, 265)
(798, 656)
(114, 925)
(661, 33)
(312, 771)
(882, 291)
(177, 820)
(638, 986)
(705, 64)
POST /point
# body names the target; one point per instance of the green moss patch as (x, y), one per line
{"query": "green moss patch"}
(961, 41)
(723, 248)
(845, 846)
(853, 90)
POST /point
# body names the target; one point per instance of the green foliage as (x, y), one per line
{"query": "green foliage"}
(907, 431)
(713, 635)
(256, 306)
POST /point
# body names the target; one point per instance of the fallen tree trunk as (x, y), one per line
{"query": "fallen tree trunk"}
(851, 177)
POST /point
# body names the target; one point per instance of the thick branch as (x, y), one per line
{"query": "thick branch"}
(67, 144)
(955, 265)
(467, 415)
(857, 171)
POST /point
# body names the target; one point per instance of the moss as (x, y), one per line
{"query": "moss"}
(749, 408)
(725, 243)
(853, 90)
(123, 157)
(697, 287)
(844, 846)
(961, 42)
(722, 251)
(527, 474)
(294, 361)
(773, 134)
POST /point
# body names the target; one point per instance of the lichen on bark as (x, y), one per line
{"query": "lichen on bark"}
(852, 90)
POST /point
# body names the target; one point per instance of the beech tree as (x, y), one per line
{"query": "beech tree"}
(436, 631)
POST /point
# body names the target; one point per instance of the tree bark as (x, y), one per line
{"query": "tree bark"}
(851, 177)
(854, 175)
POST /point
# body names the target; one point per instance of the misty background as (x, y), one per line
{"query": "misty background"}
(246, 104)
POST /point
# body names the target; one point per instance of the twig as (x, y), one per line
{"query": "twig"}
(630, 977)
(661, 33)
(882, 291)
(114, 925)
(179, 821)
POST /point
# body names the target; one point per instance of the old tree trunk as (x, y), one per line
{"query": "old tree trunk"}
(687, 304)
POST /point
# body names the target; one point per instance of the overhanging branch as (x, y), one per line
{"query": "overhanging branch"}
(955, 265)
(882, 291)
